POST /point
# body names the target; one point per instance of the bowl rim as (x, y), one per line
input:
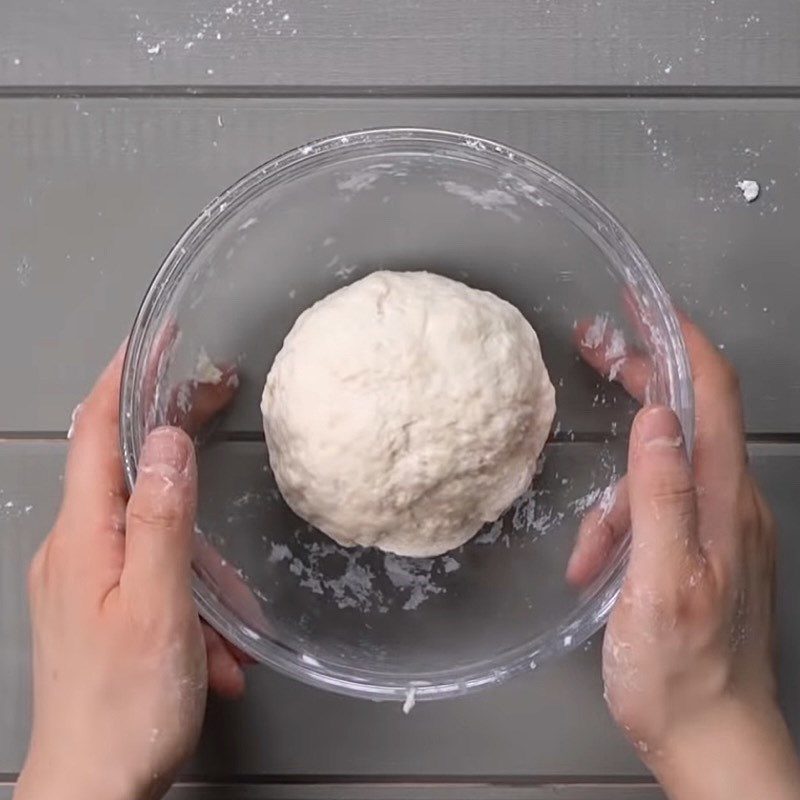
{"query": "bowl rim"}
(594, 220)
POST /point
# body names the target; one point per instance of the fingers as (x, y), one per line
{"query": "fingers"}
(94, 485)
(598, 536)
(160, 519)
(720, 453)
(662, 501)
(194, 404)
(603, 347)
(225, 674)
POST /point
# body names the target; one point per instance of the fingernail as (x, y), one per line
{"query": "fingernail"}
(657, 428)
(165, 448)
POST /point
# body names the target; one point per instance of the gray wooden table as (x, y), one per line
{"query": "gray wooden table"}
(119, 119)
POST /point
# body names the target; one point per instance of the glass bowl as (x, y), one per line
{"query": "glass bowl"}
(360, 621)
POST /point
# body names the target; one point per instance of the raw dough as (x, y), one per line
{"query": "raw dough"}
(405, 411)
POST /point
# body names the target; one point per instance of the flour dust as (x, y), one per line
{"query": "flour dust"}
(371, 581)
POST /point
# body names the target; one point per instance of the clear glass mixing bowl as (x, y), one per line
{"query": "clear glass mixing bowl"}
(359, 621)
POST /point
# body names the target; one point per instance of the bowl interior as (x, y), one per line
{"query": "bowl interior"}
(361, 621)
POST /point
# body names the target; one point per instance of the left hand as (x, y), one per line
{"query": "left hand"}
(121, 660)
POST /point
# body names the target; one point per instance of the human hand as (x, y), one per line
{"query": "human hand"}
(121, 661)
(688, 651)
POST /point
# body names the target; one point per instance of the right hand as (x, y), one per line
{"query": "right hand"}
(688, 651)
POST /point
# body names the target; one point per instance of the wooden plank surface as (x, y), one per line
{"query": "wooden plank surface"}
(404, 791)
(287, 729)
(93, 194)
(409, 791)
(278, 43)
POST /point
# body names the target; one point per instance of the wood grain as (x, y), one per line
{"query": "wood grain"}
(358, 43)
(404, 791)
(287, 729)
(94, 193)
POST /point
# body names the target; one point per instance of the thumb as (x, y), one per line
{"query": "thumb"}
(160, 516)
(662, 500)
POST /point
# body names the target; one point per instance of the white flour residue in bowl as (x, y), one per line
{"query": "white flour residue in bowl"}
(602, 491)
(586, 502)
(533, 515)
(410, 701)
(520, 187)
(205, 371)
(487, 199)
(596, 333)
(349, 583)
(345, 271)
(246, 499)
(366, 178)
(362, 579)
(248, 223)
(279, 552)
(491, 534)
(414, 576)
(358, 181)
(603, 333)
(370, 581)
(615, 353)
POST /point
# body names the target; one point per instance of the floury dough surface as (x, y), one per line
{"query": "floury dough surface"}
(405, 411)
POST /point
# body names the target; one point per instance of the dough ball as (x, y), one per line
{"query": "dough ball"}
(405, 411)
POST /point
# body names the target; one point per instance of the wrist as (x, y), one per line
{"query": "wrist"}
(43, 781)
(739, 750)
